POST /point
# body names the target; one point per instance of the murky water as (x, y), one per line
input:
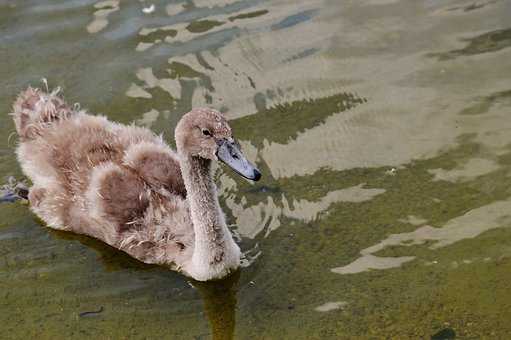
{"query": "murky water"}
(383, 129)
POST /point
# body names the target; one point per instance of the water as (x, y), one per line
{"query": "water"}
(381, 126)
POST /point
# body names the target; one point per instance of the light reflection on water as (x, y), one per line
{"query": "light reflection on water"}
(381, 127)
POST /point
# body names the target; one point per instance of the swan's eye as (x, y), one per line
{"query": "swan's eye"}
(206, 132)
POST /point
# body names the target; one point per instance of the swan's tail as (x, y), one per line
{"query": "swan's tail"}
(34, 110)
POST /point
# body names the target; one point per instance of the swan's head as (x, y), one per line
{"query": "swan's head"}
(205, 133)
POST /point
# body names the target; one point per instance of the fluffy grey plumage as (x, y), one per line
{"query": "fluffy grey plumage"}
(125, 186)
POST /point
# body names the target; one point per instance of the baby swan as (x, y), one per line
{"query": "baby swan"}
(127, 187)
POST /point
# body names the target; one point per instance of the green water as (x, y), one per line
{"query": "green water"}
(383, 131)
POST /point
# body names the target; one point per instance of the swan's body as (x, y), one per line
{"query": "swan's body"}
(126, 186)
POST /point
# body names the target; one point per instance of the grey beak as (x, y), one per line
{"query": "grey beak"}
(229, 153)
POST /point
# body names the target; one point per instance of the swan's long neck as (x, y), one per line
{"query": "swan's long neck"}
(215, 251)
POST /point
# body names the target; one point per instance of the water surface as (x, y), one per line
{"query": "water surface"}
(381, 126)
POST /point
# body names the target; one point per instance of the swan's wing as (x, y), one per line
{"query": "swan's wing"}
(117, 195)
(134, 218)
(158, 165)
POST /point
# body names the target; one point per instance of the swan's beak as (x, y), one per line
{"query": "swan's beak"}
(229, 153)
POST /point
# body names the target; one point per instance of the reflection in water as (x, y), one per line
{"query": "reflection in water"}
(111, 258)
(253, 219)
(484, 104)
(219, 297)
(413, 220)
(183, 32)
(473, 168)
(470, 225)
(290, 120)
(148, 118)
(202, 26)
(169, 85)
(472, 7)
(103, 10)
(174, 8)
(369, 262)
(329, 306)
(220, 305)
(484, 43)
(248, 15)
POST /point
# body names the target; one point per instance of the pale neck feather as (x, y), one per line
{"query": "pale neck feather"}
(215, 251)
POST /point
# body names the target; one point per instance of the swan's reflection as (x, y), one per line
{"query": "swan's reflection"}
(220, 304)
(219, 296)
